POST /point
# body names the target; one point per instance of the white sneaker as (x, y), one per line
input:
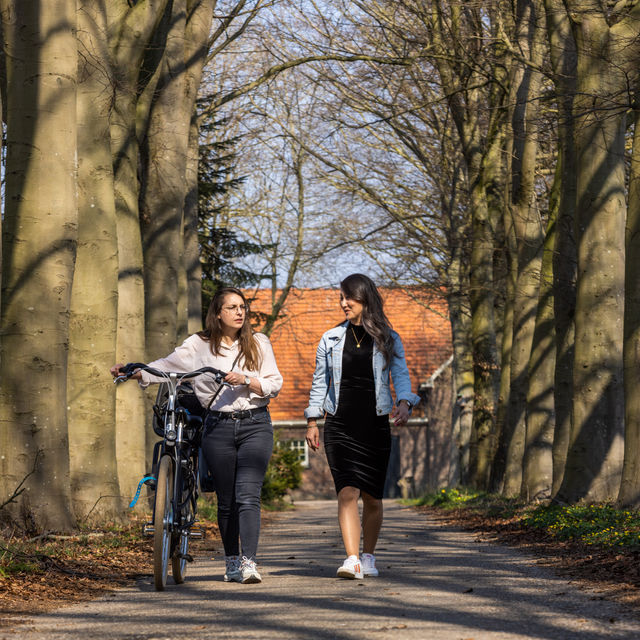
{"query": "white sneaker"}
(232, 572)
(351, 568)
(369, 565)
(249, 572)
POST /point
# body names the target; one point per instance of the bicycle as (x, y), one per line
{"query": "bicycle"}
(175, 472)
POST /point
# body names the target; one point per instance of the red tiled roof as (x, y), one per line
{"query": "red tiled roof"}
(423, 326)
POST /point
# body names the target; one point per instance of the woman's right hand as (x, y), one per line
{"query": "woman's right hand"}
(313, 436)
(116, 371)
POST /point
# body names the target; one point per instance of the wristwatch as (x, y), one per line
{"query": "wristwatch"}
(247, 380)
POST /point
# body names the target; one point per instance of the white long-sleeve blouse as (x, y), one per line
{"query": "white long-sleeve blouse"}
(195, 353)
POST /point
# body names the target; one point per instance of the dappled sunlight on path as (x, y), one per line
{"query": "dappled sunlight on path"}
(435, 582)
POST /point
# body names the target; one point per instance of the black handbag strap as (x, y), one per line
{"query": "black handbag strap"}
(215, 395)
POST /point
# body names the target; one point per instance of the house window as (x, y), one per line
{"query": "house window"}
(302, 448)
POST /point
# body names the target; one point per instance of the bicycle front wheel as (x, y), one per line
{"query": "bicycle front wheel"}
(179, 559)
(185, 489)
(162, 523)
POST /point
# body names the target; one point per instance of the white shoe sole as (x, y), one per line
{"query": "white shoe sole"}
(254, 578)
(349, 574)
(371, 574)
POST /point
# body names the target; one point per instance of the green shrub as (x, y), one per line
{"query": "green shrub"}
(597, 524)
(446, 498)
(208, 508)
(284, 474)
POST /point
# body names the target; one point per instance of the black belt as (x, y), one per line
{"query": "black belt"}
(238, 415)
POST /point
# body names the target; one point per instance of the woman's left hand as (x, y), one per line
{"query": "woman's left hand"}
(400, 414)
(234, 378)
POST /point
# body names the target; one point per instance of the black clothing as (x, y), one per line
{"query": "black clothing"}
(357, 441)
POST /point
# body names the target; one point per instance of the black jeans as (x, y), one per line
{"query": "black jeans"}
(237, 452)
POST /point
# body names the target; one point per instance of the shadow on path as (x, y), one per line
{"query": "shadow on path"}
(435, 582)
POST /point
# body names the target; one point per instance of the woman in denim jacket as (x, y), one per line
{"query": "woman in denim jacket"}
(351, 386)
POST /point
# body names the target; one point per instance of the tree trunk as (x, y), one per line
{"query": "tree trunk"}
(198, 27)
(630, 485)
(483, 339)
(93, 317)
(466, 101)
(39, 247)
(496, 481)
(130, 32)
(522, 207)
(163, 166)
(538, 465)
(192, 264)
(594, 459)
(563, 59)
(462, 414)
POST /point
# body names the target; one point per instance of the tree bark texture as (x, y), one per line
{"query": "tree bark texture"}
(466, 101)
(594, 459)
(39, 248)
(537, 469)
(462, 378)
(93, 317)
(499, 463)
(564, 61)
(130, 32)
(162, 197)
(525, 84)
(200, 14)
(630, 485)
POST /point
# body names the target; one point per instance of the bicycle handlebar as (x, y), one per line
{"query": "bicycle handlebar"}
(130, 368)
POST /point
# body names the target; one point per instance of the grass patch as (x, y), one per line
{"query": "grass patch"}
(461, 498)
(602, 525)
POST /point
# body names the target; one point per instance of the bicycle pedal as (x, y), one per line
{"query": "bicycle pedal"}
(196, 533)
(147, 529)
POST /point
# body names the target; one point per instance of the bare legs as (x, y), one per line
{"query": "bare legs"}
(371, 522)
(349, 520)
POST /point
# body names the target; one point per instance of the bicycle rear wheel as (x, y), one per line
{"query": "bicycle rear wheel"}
(162, 523)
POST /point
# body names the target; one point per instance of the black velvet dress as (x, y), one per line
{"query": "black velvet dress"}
(357, 441)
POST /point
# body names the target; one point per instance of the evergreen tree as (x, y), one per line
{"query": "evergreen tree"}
(220, 246)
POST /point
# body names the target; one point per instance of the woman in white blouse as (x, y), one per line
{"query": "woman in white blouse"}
(238, 434)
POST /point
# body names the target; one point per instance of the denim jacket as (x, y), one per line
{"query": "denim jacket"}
(325, 388)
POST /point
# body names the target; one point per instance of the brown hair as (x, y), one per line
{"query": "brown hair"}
(213, 330)
(361, 288)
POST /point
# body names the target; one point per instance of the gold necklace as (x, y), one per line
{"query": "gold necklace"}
(358, 342)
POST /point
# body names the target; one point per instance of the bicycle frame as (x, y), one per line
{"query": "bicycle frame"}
(171, 540)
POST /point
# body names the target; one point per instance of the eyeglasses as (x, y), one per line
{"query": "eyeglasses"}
(234, 308)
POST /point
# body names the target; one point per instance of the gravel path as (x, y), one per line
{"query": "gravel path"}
(435, 583)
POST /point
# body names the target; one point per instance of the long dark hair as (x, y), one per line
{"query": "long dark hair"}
(213, 329)
(361, 288)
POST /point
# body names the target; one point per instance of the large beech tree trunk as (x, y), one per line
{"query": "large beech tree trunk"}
(169, 178)
(564, 61)
(39, 247)
(93, 317)
(527, 227)
(130, 32)
(594, 459)
(164, 156)
(630, 485)
(537, 469)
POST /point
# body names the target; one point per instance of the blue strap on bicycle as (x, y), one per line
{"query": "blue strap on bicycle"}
(143, 481)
